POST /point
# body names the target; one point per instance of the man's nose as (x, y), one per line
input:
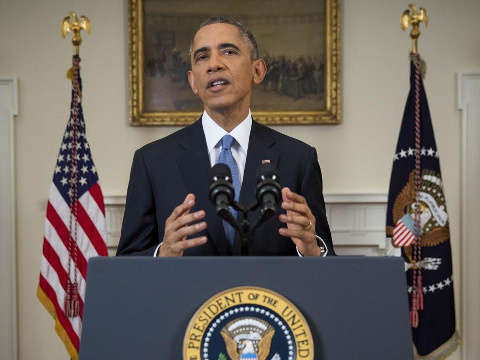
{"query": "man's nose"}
(215, 62)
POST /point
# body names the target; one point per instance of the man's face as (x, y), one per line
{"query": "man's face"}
(222, 68)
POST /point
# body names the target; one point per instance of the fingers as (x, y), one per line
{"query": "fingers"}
(181, 209)
(298, 236)
(182, 245)
(300, 222)
(181, 223)
(300, 228)
(288, 195)
(296, 205)
(305, 240)
(188, 230)
(178, 227)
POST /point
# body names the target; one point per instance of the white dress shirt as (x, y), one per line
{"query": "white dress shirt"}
(214, 134)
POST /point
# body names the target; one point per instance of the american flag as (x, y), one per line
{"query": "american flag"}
(75, 228)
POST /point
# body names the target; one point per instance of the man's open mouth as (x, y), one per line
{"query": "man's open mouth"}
(217, 82)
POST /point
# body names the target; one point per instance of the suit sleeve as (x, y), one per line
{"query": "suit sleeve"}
(139, 228)
(312, 190)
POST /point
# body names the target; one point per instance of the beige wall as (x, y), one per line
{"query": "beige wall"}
(356, 156)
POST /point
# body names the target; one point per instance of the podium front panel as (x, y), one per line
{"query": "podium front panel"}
(139, 307)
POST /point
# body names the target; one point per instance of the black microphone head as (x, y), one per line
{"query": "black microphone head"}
(267, 171)
(268, 189)
(221, 192)
(221, 171)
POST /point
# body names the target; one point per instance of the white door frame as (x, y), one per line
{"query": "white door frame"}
(8, 303)
(468, 91)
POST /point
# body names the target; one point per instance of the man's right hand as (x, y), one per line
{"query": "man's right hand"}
(179, 225)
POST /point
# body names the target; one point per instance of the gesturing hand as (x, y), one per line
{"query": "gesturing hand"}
(179, 225)
(300, 223)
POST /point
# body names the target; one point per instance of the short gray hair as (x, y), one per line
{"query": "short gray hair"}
(244, 32)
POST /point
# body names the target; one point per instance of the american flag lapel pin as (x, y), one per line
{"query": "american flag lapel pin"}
(267, 161)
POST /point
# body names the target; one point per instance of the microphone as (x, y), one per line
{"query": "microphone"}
(268, 190)
(222, 193)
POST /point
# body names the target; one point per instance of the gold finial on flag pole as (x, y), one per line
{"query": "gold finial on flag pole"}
(414, 18)
(71, 23)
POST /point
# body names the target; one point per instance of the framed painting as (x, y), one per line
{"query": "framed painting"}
(299, 41)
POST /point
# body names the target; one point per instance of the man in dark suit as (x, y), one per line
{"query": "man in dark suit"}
(168, 211)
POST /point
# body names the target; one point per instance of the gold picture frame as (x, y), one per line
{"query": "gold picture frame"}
(302, 87)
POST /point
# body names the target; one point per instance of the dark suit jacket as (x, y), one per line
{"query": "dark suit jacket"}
(165, 171)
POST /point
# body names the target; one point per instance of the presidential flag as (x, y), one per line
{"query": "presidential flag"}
(75, 227)
(418, 226)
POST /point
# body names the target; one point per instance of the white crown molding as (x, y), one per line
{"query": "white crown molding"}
(355, 198)
(8, 303)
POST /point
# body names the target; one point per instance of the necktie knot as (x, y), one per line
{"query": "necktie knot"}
(227, 141)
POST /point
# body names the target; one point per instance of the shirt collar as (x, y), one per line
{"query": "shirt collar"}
(214, 132)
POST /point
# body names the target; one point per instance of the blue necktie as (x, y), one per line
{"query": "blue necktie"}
(227, 158)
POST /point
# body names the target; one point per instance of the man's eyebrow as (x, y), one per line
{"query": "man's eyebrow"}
(198, 51)
(228, 45)
(221, 46)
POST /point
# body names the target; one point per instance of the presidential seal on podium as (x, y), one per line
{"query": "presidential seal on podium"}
(248, 323)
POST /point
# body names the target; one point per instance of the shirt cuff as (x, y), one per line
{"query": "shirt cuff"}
(155, 254)
(321, 244)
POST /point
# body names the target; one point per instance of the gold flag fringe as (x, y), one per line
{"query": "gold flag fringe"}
(62, 334)
(445, 350)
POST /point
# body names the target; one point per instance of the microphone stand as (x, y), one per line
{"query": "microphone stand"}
(247, 236)
(267, 186)
(245, 229)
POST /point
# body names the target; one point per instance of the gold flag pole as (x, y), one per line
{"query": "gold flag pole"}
(72, 295)
(71, 23)
(414, 18)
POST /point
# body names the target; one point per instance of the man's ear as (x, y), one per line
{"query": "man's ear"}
(191, 81)
(259, 71)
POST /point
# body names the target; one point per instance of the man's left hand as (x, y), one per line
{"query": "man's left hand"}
(300, 223)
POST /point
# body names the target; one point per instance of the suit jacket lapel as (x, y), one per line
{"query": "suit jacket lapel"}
(194, 166)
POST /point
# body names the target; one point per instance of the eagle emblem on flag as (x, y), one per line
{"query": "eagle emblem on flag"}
(434, 226)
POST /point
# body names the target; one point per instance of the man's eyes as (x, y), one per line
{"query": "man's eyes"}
(202, 57)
